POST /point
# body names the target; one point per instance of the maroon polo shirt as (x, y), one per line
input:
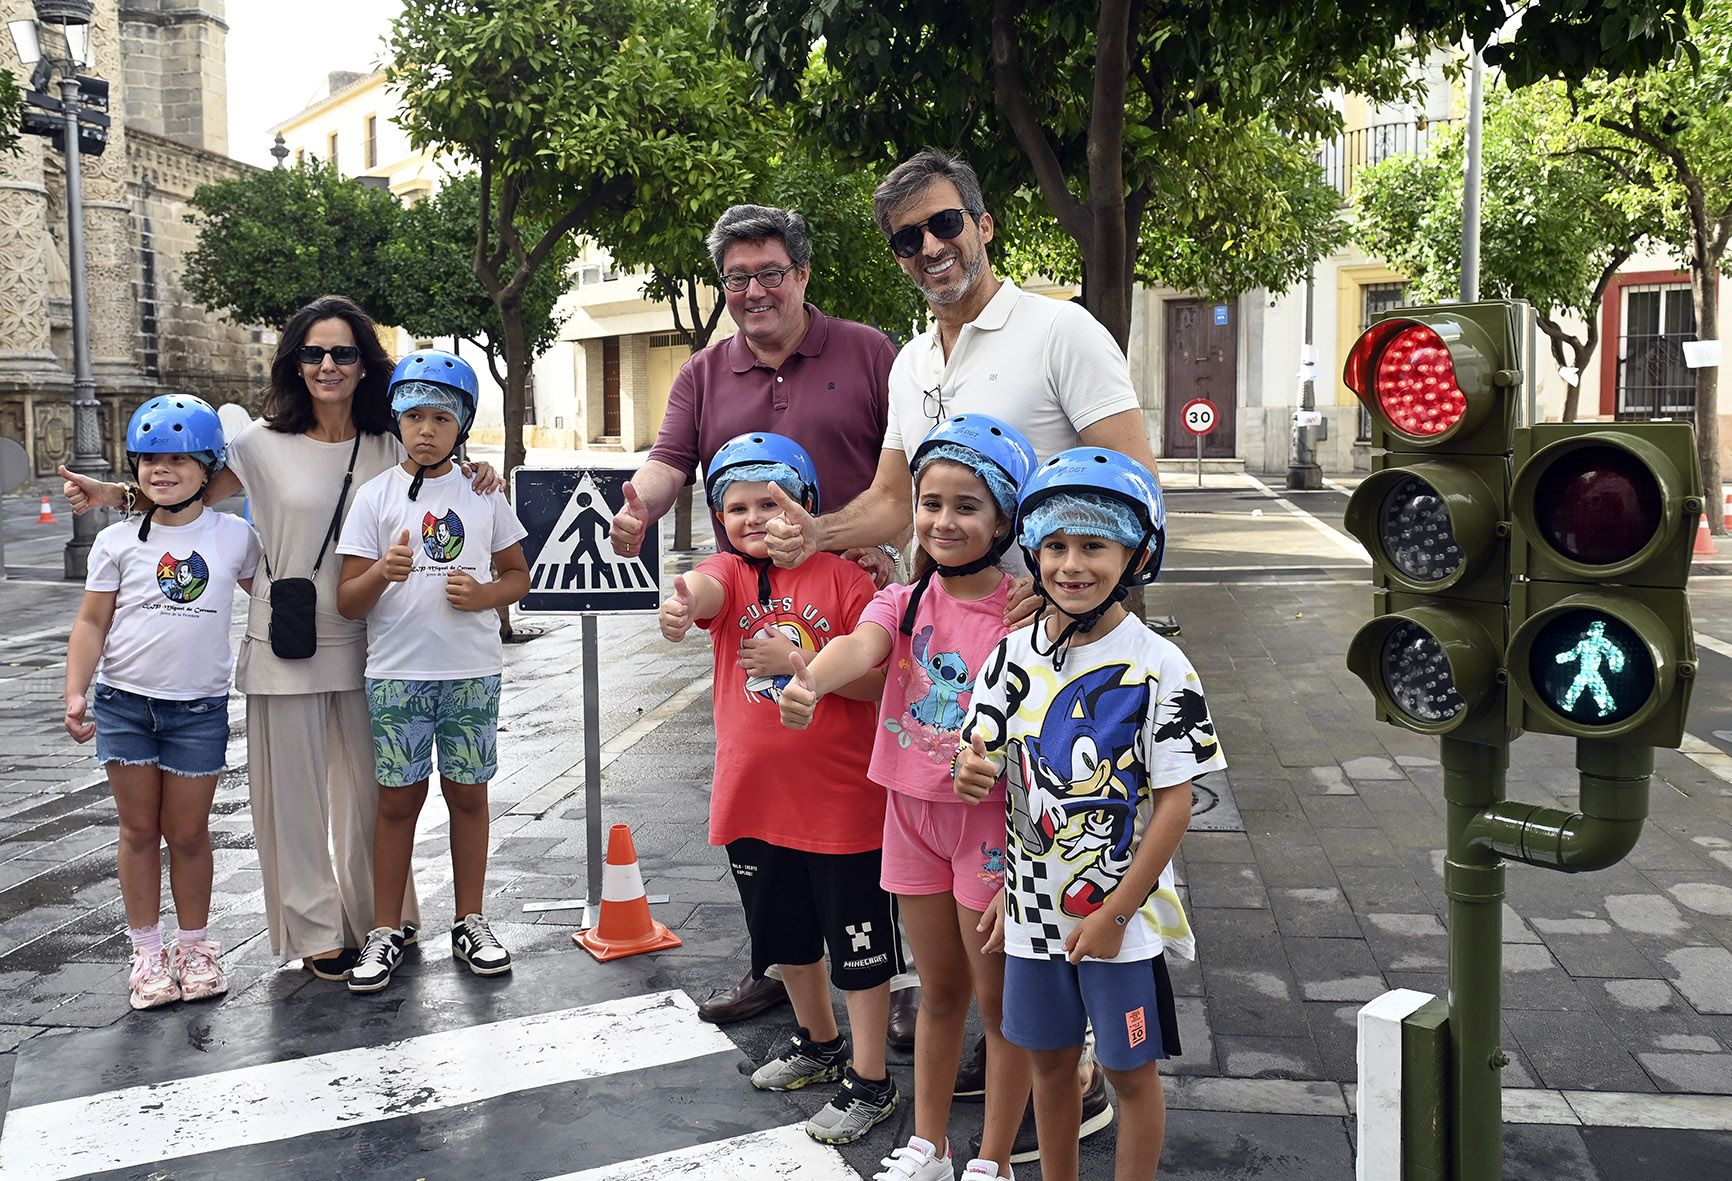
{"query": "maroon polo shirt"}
(831, 396)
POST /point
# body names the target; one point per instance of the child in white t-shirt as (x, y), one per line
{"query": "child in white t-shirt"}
(428, 561)
(153, 631)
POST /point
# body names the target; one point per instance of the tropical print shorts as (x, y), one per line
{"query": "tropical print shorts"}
(408, 716)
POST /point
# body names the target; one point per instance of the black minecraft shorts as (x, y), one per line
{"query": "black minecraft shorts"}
(798, 904)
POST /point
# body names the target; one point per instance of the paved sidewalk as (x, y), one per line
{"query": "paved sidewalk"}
(1617, 989)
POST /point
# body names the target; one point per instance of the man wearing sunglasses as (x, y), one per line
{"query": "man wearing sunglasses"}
(1045, 366)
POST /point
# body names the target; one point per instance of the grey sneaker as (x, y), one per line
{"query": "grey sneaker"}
(380, 955)
(473, 942)
(859, 1106)
(800, 1064)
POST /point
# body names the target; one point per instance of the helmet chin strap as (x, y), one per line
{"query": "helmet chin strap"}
(144, 525)
(1085, 623)
(989, 558)
(421, 470)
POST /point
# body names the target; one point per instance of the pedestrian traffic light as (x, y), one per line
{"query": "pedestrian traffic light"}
(1605, 518)
(1439, 384)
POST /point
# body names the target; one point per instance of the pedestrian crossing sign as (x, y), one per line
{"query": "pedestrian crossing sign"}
(572, 566)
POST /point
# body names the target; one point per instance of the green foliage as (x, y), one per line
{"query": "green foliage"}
(272, 241)
(11, 112)
(431, 261)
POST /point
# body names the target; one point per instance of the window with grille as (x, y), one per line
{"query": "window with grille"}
(370, 146)
(668, 340)
(331, 149)
(1653, 381)
(1375, 299)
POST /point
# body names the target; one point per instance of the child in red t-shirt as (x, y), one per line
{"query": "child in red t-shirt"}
(802, 823)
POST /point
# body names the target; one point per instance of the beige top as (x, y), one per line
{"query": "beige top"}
(292, 482)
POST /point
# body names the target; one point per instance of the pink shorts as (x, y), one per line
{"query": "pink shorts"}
(944, 847)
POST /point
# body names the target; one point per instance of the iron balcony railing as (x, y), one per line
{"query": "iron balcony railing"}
(1346, 154)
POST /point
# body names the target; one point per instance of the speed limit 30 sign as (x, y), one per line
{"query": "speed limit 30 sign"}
(1199, 416)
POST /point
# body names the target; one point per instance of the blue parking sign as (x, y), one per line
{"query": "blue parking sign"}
(572, 566)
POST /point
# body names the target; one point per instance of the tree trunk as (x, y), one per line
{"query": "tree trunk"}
(1705, 281)
(516, 376)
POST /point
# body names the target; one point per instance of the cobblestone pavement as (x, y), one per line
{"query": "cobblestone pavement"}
(1617, 987)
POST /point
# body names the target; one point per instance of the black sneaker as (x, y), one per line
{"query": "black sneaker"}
(380, 956)
(801, 1063)
(1097, 1114)
(411, 934)
(859, 1106)
(473, 942)
(333, 967)
(971, 1075)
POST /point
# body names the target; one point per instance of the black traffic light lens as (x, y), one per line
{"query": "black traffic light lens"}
(1591, 668)
(1417, 676)
(1414, 529)
(1598, 505)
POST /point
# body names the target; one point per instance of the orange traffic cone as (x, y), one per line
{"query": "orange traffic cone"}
(625, 926)
(1704, 540)
(46, 516)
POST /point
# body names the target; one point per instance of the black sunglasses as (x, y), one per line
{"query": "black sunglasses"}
(945, 225)
(312, 354)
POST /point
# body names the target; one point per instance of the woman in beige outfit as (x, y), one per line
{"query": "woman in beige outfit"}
(309, 739)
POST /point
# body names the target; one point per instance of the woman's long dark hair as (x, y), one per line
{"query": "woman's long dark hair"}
(289, 405)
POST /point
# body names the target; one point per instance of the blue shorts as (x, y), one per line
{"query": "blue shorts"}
(186, 738)
(1048, 1005)
(408, 715)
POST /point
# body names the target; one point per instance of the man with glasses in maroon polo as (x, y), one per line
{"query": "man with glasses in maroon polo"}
(790, 369)
(1045, 366)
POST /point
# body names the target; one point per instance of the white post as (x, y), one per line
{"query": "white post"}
(1380, 1082)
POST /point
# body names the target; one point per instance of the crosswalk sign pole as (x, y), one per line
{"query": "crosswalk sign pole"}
(591, 769)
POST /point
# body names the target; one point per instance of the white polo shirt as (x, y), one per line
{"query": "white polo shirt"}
(1043, 365)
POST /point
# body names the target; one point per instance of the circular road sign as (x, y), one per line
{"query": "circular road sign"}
(1199, 416)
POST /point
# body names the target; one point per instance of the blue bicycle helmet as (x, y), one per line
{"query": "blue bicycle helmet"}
(177, 424)
(757, 448)
(1002, 457)
(434, 377)
(1098, 472)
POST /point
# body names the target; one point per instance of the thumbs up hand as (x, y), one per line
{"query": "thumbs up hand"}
(792, 537)
(629, 524)
(399, 560)
(975, 772)
(800, 695)
(676, 612)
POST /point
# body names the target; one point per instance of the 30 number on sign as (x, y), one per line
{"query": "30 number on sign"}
(1199, 416)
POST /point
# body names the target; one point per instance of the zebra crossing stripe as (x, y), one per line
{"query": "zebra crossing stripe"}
(757, 1156)
(296, 1097)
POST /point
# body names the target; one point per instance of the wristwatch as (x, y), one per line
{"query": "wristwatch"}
(895, 555)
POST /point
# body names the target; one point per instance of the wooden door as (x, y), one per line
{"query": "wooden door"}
(610, 387)
(1202, 362)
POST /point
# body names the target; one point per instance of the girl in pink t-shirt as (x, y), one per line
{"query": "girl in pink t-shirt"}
(942, 859)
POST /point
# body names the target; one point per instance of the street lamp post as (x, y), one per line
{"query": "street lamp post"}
(77, 125)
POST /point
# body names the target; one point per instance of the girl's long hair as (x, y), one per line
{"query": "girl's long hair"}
(288, 404)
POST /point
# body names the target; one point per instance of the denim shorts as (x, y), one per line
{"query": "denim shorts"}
(182, 737)
(1049, 1005)
(463, 715)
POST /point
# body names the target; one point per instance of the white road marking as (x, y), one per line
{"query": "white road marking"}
(758, 1156)
(1711, 643)
(1346, 544)
(279, 1100)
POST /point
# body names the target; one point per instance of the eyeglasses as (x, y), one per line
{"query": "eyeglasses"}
(767, 278)
(945, 225)
(312, 354)
(932, 404)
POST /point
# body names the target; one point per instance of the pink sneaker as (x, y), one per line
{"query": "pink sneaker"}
(197, 969)
(152, 980)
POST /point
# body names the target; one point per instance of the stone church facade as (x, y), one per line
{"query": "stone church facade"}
(165, 64)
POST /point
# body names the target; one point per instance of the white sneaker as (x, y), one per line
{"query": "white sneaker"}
(918, 1160)
(984, 1170)
(473, 943)
(152, 979)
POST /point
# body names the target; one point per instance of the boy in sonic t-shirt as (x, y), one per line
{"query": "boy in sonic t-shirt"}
(427, 560)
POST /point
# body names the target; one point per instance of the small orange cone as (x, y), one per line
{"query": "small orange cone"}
(625, 926)
(1704, 541)
(46, 516)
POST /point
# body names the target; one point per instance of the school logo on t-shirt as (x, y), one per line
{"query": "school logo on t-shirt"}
(442, 537)
(182, 580)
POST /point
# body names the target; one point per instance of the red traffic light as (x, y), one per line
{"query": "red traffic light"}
(1414, 381)
(1598, 505)
(1439, 377)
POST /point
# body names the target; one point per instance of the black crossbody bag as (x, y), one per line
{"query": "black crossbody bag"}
(295, 601)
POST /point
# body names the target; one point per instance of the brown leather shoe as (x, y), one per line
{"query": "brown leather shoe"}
(904, 1008)
(746, 999)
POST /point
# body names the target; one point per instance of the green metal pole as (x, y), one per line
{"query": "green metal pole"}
(1473, 780)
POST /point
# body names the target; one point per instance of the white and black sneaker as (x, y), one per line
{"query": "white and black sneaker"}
(801, 1063)
(380, 955)
(859, 1106)
(473, 942)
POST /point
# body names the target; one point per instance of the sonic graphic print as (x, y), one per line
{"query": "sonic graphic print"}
(1084, 753)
